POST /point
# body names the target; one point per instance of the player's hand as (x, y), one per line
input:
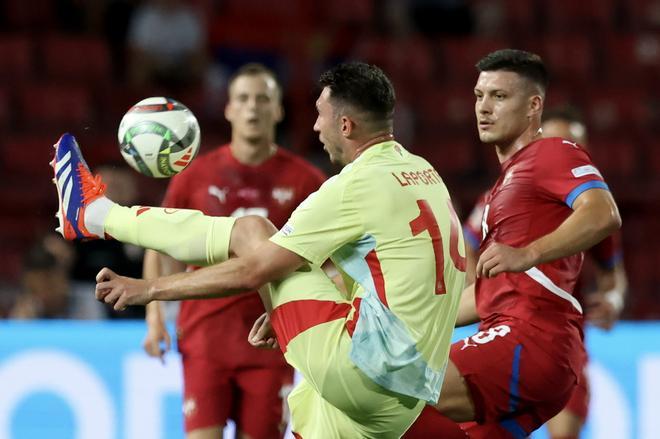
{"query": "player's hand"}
(121, 291)
(262, 335)
(601, 312)
(499, 258)
(157, 341)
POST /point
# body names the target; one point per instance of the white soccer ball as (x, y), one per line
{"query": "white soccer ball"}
(159, 137)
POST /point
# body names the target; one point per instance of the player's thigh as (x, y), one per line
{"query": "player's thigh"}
(208, 394)
(262, 393)
(455, 399)
(568, 422)
(511, 376)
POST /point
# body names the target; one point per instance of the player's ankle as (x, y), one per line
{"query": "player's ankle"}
(96, 213)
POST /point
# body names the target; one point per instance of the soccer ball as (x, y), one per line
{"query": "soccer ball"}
(159, 137)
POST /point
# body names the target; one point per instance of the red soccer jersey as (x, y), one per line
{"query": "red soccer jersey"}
(606, 254)
(532, 197)
(217, 184)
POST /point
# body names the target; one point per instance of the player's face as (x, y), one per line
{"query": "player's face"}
(573, 131)
(254, 108)
(502, 106)
(328, 126)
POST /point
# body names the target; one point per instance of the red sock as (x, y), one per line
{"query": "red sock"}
(432, 424)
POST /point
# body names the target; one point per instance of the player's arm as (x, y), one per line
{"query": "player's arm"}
(245, 273)
(595, 216)
(605, 305)
(157, 340)
(467, 307)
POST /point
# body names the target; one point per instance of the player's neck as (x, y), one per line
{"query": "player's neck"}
(252, 153)
(506, 150)
(380, 138)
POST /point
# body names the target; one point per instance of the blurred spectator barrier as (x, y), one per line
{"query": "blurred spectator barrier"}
(84, 380)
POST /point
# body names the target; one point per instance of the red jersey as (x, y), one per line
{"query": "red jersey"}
(606, 254)
(217, 184)
(532, 197)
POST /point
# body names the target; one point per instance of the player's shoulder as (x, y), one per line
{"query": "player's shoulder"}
(558, 146)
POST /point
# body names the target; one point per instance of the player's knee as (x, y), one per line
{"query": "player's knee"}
(249, 232)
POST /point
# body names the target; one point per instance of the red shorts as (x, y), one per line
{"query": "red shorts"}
(252, 397)
(579, 402)
(518, 375)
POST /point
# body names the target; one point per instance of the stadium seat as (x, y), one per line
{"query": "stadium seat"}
(459, 55)
(6, 113)
(66, 107)
(520, 16)
(631, 58)
(16, 58)
(615, 158)
(448, 109)
(28, 15)
(643, 15)
(26, 154)
(76, 58)
(578, 16)
(569, 58)
(407, 60)
(618, 110)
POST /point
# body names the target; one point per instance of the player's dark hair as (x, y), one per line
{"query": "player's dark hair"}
(254, 69)
(526, 64)
(567, 113)
(364, 87)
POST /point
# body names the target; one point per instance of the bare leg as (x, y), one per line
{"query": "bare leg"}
(455, 400)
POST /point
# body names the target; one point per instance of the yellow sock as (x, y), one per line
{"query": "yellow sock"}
(187, 235)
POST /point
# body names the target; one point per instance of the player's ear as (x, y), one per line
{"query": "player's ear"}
(535, 105)
(347, 126)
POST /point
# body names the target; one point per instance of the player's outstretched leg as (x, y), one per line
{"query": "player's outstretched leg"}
(86, 213)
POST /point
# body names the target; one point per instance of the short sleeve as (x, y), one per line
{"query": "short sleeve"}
(324, 222)
(565, 171)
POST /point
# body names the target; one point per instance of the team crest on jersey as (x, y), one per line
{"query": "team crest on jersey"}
(282, 194)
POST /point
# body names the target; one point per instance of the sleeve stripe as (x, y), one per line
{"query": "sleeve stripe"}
(471, 238)
(593, 184)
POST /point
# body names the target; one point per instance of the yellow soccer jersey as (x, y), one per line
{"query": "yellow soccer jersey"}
(387, 222)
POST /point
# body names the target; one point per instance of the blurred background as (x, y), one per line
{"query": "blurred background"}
(78, 65)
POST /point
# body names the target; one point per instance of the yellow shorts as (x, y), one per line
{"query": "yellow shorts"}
(337, 400)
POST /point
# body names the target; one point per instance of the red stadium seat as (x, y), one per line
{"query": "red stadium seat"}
(631, 58)
(569, 58)
(26, 154)
(459, 55)
(76, 58)
(449, 109)
(28, 15)
(65, 107)
(6, 114)
(615, 157)
(578, 15)
(618, 110)
(16, 58)
(520, 16)
(406, 60)
(643, 14)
